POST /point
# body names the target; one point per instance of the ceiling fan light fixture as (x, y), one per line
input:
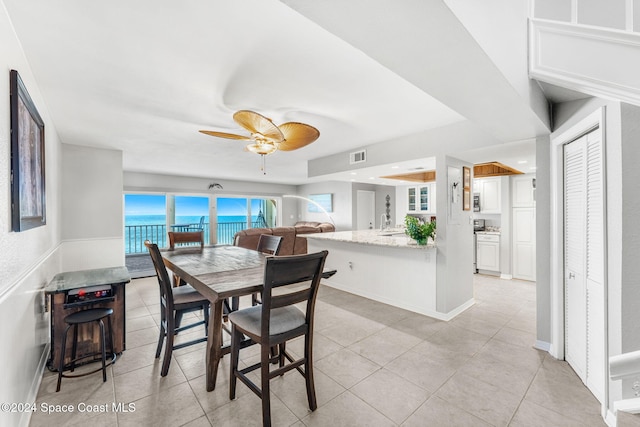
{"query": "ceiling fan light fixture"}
(266, 136)
(262, 148)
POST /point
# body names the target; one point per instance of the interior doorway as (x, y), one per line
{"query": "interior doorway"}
(366, 210)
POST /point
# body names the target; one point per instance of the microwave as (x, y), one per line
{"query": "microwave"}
(476, 202)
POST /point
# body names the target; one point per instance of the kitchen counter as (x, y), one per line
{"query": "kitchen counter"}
(385, 266)
(495, 233)
(394, 237)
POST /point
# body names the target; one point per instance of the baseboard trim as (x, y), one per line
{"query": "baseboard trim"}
(542, 345)
(506, 276)
(35, 384)
(610, 418)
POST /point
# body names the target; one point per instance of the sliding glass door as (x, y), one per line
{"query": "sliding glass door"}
(239, 213)
(145, 218)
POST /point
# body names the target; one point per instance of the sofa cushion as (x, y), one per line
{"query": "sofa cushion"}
(288, 235)
(306, 229)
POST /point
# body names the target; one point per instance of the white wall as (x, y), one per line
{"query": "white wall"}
(28, 259)
(92, 224)
(454, 244)
(543, 243)
(504, 39)
(342, 203)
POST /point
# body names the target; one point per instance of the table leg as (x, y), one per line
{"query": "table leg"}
(214, 344)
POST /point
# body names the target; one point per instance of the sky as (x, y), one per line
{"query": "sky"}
(144, 204)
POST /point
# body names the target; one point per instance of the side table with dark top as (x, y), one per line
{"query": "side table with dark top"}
(75, 291)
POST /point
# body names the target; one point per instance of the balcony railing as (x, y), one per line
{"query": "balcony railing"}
(135, 235)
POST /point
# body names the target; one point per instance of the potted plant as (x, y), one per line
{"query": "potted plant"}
(418, 230)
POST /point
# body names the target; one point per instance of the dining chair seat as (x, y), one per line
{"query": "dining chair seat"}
(183, 295)
(283, 319)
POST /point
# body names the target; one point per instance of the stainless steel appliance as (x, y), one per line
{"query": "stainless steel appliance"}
(478, 225)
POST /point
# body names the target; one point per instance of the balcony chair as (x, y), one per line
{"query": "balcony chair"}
(276, 321)
(174, 302)
(197, 227)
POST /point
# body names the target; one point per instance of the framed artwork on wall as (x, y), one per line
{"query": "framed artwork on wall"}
(466, 188)
(320, 203)
(466, 177)
(28, 197)
(466, 202)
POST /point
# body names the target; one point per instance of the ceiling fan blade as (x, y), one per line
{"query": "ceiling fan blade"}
(297, 135)
(257, 123)
(226, 135)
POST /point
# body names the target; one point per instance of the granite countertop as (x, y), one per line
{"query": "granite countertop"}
(488, 232)
(393, 237)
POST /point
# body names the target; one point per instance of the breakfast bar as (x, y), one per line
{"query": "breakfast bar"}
(386, 266)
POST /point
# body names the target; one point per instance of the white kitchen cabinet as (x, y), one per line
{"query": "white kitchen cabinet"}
(488, 252)
(524, 243)
(489, 190)
(420, 199)
(523, 191)
(412, 199)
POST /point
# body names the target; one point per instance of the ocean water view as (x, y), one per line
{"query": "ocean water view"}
(139, 228)
(193, 219)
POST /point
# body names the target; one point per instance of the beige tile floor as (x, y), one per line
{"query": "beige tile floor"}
(375, 365)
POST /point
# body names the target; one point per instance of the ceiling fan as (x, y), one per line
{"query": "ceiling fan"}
(266, 137)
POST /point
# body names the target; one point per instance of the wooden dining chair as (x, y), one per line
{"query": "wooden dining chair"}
(174, 302)
(276, 321)
(180, 237)
(269, 245)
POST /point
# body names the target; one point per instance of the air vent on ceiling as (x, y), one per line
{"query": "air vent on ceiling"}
(357, 157)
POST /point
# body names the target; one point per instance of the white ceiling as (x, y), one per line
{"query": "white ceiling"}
(144, 76)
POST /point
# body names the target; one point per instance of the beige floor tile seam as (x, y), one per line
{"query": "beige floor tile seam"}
(454, 403)
(543, 406)
(198, 400)
(524, 395)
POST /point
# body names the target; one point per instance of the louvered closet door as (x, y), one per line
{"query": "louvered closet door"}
(575, 310)
(584, 260)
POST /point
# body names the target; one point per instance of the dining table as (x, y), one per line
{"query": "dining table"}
(218, 273)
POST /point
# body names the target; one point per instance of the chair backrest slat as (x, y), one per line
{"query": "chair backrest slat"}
(290, 298)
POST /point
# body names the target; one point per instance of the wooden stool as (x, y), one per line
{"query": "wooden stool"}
(75, 319)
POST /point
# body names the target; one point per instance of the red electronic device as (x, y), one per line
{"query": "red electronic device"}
(90, 294)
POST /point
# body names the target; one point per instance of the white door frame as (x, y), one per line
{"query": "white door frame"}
(593, 120)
